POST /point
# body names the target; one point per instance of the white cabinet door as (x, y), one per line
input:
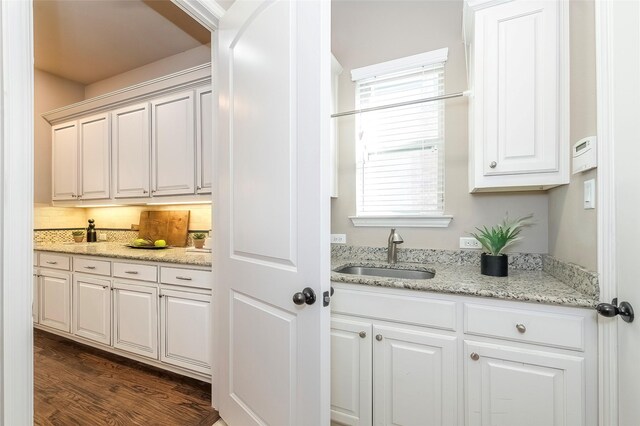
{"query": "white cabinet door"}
(173, 145)
(131, 151)
(34, 296)
(517, 387)
(55, 300)
(204, 140)
(185, 330)
(414, 377)
(95, 154)
(64, 155)
(351, 379)
(135, 319)
(519, 117)
(92, 308)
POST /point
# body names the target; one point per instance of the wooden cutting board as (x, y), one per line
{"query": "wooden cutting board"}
(168, 225)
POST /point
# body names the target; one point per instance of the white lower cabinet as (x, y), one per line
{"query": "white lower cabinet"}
(480, 361)
(135, 318)
(508, 386)
(54, 300)
(185, 329)
(414, 377)
(34, 297)
(392, 375)
(351, 374)
(92, 308)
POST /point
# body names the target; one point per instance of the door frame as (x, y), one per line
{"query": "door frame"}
(607, 328)
(16, 207)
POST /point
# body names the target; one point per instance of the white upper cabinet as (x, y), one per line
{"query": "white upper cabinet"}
(173, 145)
(64, 153)
(95, 154)
(131, 151)
(518, 64)
(204, 140)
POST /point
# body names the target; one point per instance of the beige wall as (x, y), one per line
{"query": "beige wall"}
(366, 33)
(47, 217)
(187, 59)
(573, 230)
(50, 92)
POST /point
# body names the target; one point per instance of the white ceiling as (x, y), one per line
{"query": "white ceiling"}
(90, 40)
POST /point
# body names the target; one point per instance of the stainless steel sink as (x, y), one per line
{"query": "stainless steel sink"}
(386, 272)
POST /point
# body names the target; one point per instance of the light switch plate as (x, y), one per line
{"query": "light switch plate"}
(590, 194)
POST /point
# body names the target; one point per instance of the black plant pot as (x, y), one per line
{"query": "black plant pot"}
(494, 266)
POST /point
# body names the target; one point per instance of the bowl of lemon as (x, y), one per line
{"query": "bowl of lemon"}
(141, 243)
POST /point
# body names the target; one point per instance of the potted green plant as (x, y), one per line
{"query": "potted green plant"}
(198, 239)
(494, 241)
(78, 236)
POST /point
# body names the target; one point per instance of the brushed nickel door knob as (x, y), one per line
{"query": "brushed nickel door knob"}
(378, 337)
(493, 164)
(362, 334)
(521, 328)
(474, 356)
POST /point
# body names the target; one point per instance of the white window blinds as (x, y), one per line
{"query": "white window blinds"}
(400, 151)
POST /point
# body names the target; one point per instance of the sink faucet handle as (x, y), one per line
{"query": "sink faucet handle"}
(394, 237)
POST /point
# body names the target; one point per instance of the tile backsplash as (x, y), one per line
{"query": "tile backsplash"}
(41, 236)
(47, 217)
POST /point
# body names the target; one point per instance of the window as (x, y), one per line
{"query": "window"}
(400, 151)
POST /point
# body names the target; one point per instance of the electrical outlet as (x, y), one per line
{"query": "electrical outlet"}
(338, 238)
(469, 243)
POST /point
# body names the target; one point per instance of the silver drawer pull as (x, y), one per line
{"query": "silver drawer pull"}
(362, 334)
(379, 337)
(474, 356)
(51, 262)
(183, 278)
(89, 267)
(131, 272)
(521, 328)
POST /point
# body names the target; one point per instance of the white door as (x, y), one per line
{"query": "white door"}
(95, 157)
(621, 131)
(135, 319)
(131, 144)
(185, 330)
(204, 140)
(64, 152)
(92, 308)
(272, 213)
(55, 300)
(351, 375)
(513, 386)
(173, 145)
(415, 380)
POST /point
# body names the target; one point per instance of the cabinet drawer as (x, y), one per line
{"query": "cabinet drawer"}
(90, 266)
(55, 261)
(185, 277)
(544, 328)
(134, 271)
(405, 309)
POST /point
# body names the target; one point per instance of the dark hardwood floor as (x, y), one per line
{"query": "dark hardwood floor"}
(80, 385)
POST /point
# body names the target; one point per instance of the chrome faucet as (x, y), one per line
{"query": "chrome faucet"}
(392, 249)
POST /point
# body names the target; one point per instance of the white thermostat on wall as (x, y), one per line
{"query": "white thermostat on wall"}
(584, 155)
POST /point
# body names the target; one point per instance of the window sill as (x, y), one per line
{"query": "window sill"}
(435, 221)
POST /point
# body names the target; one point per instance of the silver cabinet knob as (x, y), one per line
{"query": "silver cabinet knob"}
(493, 164)
(378, 337)
(362, 334)
(474, 356)
(521, 328)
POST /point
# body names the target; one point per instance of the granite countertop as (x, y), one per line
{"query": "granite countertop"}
(521, 285)
(120, 251)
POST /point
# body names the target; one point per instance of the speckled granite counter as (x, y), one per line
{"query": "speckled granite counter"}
(523, 285)
(120, 251)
